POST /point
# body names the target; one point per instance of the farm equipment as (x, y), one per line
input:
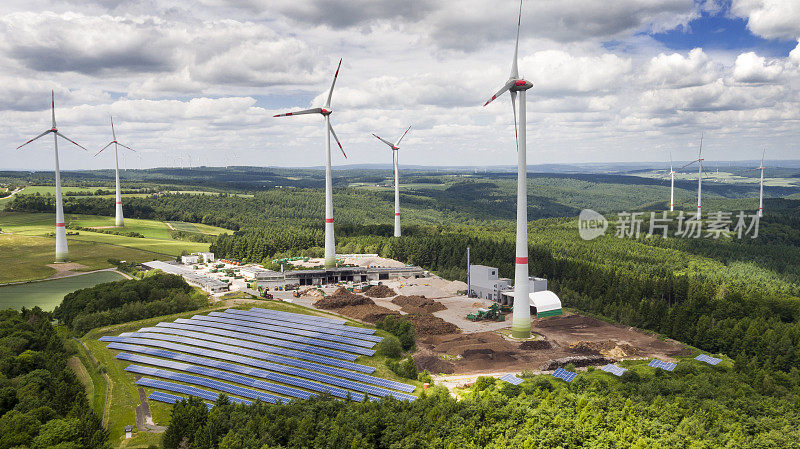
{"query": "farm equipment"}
(266, 295)
(492, 313)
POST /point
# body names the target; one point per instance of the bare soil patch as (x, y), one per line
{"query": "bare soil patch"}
(427, 324)
(417, 304)
(66, 269)
(433, 363)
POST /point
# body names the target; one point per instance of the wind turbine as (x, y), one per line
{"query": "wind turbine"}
(761, 185)
(325, 111)
(395, 157)
(699, 177)
(120, 221)
(671, 185)
(62, 252)
(521, 323)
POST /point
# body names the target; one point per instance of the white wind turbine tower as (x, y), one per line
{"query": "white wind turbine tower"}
(120, 222)
(761, 185)
(521, 323)
(699, 177)
(671, 185)
(330, 241)
(395, 163)
(62, 253)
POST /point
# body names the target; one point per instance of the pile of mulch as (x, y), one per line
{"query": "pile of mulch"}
(418, 304)
(533, 345)
(342, 298)
(427, 324)
(368, 313)
(577, 361)
(607, 348)
(488, 354)
(433, 363)
(379, 291)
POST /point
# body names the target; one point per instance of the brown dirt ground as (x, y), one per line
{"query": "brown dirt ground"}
(572, 338)
(379, 291)
(415, 304)
(354, 306)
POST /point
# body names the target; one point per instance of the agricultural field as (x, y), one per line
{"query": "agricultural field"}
(48, 294)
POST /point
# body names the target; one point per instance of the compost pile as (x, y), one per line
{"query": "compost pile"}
(354, 306)
(577, 361)
(433, 364)
(608, 348)
(379, 291)
(427, 324)
(418, 304)
(533, 345)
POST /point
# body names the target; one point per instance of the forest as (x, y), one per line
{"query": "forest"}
(127, 300)
(42, 402)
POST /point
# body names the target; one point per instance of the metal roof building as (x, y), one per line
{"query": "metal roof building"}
(207, 283)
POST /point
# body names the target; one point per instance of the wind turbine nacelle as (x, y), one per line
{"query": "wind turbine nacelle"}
(521, 85)
(326, 111)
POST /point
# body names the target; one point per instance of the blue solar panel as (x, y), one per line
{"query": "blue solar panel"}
(217, 374)
(264, 329)
(614, 369)
(708, 359)
(205, 382)
(512, 379)
(565, 375)
(290, 330)
(185, 389)
(171, 342)
(352, 381)
(255, 334)
(300, 316)
(160, 396)
(667, 366)
(154, 332)
(278, 316)
(357, 332)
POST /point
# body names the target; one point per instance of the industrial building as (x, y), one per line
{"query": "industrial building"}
(194, 258)
(254, 272)
(325, 276)
(485, 283)
(209, 284)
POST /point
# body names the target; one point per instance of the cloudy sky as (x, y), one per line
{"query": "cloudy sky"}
(199, 81)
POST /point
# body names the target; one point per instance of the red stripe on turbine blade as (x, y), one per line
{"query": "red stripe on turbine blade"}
(60, 225)
(329, 220)
(522, 260)
(289, 113)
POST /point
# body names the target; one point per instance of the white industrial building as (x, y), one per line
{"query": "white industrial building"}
(207, 283)
(254, 272)
(207, 257)
(190, 259)
(485, 283)
(327, 276)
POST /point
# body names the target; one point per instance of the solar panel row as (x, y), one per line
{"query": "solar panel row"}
(206, 382)
(160, 396)
(614, 369)
(666, 366)
(349, 331)
(265, 330)
(275, 377)
(512, 379)
(352, 382)
(277, 315)
(300, 316)
(563, 374)
(708, 359)
(185, 389)
(291, 330)
(154, 332)
(172, 342)
(287, 340)
(217, 374)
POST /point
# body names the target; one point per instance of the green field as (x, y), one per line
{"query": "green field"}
(48, 294)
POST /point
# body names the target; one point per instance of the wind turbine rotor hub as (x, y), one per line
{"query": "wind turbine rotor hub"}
(520, 85)
(54, 129)
(326, 111)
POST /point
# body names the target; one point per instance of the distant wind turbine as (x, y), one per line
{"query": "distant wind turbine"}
(761, 185)
(120, 221)
(521, 323)
(325, 111)
(699, 176)
(396, 172)
(671, 185)
(62, 253)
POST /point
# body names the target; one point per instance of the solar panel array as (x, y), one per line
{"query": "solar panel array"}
(667, 366)
(565, 375)
(259, 354)
(512, 379)
(614, 369)
(708, 359)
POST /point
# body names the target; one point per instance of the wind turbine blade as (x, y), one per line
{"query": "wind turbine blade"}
(383, 140)
(499, 92)
(53, 107)
(125, 146)
(101, 150)
(690, 163)
(401, 137)
(304, 111)
(68, 139)
(670, 161)
(762, 156)
(514, 68)
(330, 92)
(514, 107)
(701, 147)
(113, 133)
(40, 135)
(337, 140)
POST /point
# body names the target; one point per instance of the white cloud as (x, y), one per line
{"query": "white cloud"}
(771, 19)
(677, 70)
(751, 68)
